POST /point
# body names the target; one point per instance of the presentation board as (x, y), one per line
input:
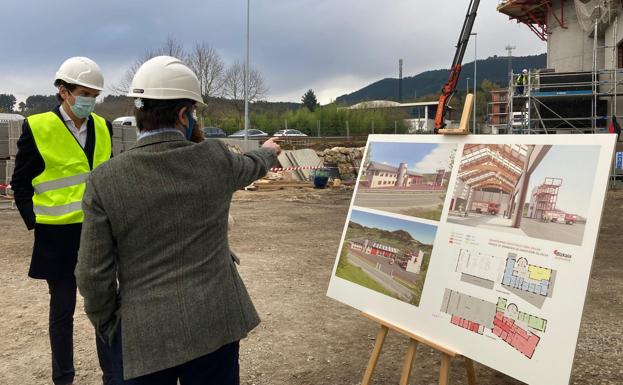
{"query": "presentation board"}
(483, 244)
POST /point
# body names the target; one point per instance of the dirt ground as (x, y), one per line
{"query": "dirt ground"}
(287, 241)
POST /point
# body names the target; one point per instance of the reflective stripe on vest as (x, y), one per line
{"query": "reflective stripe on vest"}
(60, 187)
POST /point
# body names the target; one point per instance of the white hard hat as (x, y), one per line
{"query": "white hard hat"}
(525, 71)
(165, 78)
(81, 71)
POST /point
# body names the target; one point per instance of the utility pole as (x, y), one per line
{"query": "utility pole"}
(246, 82)
(400, 80)
(510, 49)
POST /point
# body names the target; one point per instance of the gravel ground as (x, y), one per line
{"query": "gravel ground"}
(287, 241)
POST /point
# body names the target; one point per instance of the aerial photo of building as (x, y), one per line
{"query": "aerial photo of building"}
(387, 255)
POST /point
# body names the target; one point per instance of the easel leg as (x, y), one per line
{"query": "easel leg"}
(444, 371)
(374, 358)
(409, 357)
(471, 373)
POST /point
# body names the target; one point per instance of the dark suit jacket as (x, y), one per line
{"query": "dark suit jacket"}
(55, 249)
(156, 218)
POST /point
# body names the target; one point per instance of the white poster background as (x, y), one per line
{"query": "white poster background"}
(553, 358)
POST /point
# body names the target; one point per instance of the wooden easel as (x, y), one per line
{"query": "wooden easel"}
(446, 355)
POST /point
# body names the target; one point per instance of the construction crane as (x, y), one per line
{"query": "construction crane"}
(455, 70)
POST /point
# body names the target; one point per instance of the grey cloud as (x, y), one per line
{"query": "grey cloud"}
(296, 44)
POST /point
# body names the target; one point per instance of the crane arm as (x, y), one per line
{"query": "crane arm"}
(455, 70)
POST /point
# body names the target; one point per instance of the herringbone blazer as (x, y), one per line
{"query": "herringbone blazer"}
(156, 220)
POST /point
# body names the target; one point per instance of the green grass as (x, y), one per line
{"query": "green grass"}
(358, 276)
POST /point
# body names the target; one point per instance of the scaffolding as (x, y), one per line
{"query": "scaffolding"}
(562, 102)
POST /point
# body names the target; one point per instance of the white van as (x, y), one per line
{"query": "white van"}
(125, 121)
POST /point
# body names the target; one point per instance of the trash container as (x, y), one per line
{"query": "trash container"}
(320, 177)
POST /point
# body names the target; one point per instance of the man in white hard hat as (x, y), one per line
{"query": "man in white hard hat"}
(56, 152)
(156, 218)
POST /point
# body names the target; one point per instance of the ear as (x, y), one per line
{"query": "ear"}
(63, 92)
(181, 116)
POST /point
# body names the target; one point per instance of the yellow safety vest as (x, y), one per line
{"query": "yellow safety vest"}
(59, 188)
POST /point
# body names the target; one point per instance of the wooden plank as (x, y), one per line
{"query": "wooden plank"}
(444, 371)
(408, 364)
(465, 119)
(376, 352)
(471, 372)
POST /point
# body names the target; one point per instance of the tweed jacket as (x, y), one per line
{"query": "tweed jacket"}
(156, 221)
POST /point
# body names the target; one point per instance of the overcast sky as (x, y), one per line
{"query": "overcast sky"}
(424, 158)
(331, 46)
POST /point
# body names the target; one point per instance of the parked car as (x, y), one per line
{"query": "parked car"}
(213, 132)
(253, 134)
(289, 132)
(125, 121)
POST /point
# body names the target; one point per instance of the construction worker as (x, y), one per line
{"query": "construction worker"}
(520, 82)
(156, 219)
(56, 152)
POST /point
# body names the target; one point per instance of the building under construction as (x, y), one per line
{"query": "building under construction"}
(580, 89)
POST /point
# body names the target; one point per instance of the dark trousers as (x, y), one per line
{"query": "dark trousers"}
(61, 329)
(217, 368)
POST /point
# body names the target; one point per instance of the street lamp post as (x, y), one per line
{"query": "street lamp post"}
(246, 83)
(475, 77)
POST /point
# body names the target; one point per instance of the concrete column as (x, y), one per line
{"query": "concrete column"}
(470, 198)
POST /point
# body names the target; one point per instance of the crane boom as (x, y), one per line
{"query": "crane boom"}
(455, 70)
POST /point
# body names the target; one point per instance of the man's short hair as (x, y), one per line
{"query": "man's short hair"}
(70, 87)
(156, 114)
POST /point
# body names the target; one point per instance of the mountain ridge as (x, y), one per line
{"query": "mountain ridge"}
(494, 69)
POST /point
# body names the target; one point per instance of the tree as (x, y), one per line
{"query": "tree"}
(233, 85)
(171, 47)
(207, 64)
(7, 102)
(22, 107)
(309, 100)
(40, 103)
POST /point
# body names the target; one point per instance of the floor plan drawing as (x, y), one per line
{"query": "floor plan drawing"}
(530, 282)
(518, 329)
(471, 313)
(479, 269)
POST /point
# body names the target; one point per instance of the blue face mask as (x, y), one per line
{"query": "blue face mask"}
(83, 106)
(191, 125)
